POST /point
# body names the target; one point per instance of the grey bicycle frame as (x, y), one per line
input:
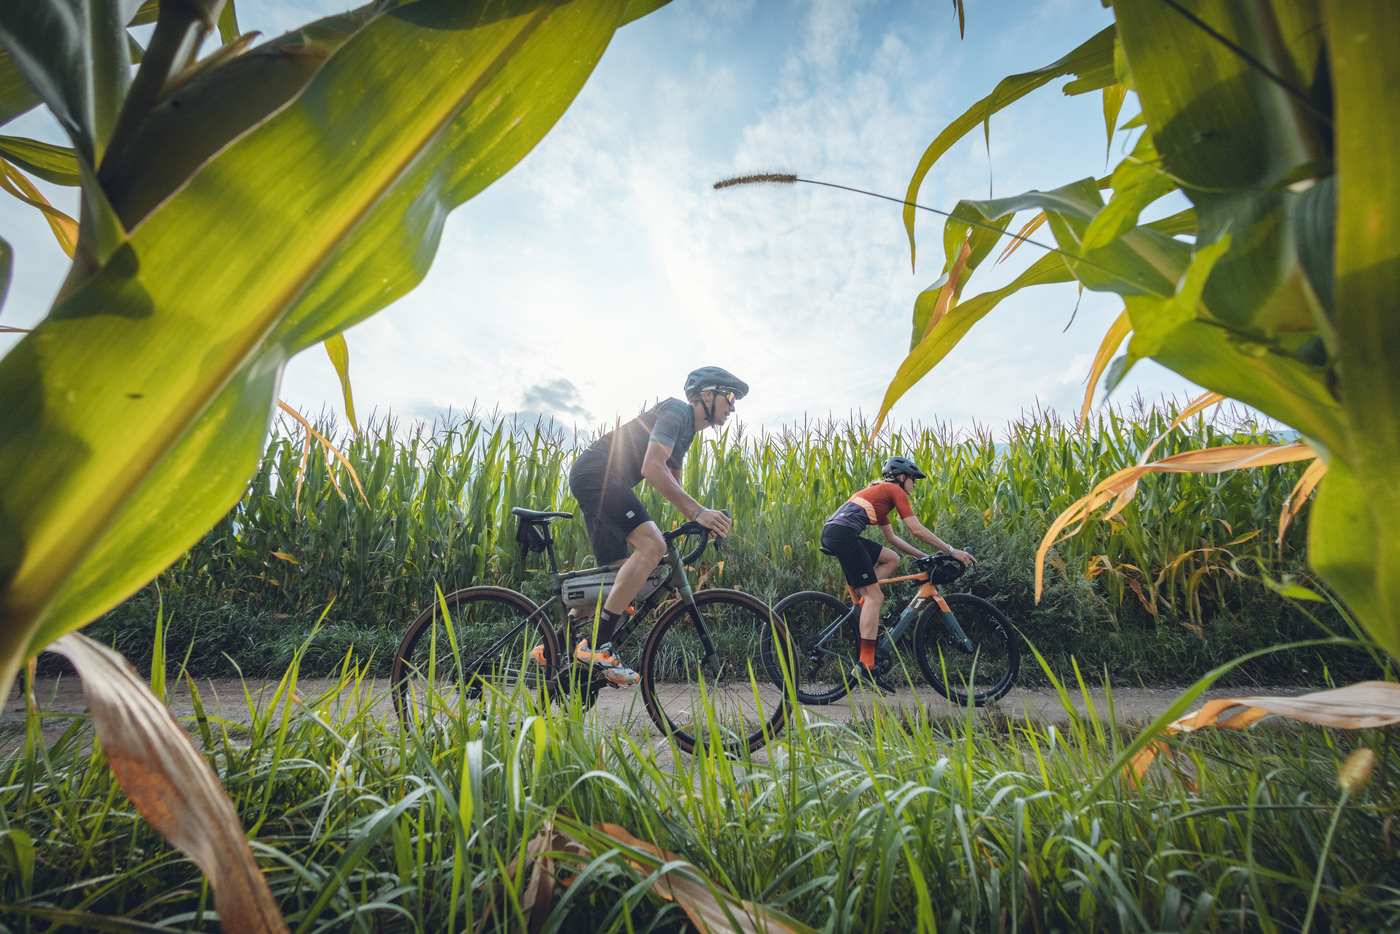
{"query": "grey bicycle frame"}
(677, 582)
(892, 634)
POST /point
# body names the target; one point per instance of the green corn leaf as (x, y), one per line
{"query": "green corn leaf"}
(1355, 528)
(1229, 129)
(1050, 268)
(636, 9)
(16, 96)
(968, 224)
(228, 23)
(1141, 261)
(924, 304)
(216, 106)
(1087, 59)
(1182, 222)
(148, 12)
(7, 264)
(76, 60)
(1137, 182)
(56, 164)
(339, 352)
(1315, 233)
(133, 415)
(1113, 97)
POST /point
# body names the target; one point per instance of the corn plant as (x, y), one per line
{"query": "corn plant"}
(235, 210)
(541, 817)
(1161, 591)
(1273, 119)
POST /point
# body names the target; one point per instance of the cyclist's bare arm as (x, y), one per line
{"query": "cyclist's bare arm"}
(667, 482)
(896, 542)
(924, 535)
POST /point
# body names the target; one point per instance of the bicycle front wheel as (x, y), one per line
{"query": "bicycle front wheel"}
(982, 675)
(717, 694)
(492, 639)
(825, 644)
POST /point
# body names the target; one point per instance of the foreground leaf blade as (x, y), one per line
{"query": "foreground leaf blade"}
(170, 783)
(147, 445)
(1091, 56)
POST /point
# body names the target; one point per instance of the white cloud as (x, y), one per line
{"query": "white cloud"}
(606, 267)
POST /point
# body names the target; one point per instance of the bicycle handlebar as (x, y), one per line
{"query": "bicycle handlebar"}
(693, 528)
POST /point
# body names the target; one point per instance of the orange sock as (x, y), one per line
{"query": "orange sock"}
(867, 653)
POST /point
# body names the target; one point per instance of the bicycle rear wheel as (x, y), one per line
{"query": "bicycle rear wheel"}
(983, 675)
(724, 698)
(502, 643)
(823, 652)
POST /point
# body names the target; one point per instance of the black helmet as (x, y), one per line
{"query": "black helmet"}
(901, 465)
(716, 378)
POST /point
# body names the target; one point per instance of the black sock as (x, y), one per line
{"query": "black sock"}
(606, 621)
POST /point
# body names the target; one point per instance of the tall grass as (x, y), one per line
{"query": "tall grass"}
(894, 822)
(1165, 591)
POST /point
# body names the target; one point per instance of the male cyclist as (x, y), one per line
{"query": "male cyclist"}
(651, 447)
(865, 563)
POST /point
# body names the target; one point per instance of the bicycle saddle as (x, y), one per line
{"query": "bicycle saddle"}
(531, 515)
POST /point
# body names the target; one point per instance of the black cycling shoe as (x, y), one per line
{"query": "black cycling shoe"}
(869, 680)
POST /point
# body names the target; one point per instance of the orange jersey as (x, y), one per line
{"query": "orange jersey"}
(872, 506)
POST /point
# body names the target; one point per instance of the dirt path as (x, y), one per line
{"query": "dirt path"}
(225, 698)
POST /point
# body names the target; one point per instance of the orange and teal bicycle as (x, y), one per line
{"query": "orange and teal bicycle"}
(962, 644)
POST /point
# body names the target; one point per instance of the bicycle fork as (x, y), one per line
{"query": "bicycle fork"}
(950, 622)
(708, 661)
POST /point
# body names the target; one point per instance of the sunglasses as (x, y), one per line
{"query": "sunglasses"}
(726, 396)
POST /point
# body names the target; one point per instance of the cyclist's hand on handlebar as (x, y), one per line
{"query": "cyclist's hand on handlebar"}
(965, 557)
(714, 520)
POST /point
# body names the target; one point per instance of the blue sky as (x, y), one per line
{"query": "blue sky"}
(590, 279)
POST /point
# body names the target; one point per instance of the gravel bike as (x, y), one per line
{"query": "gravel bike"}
(963, 645)
(705, 666)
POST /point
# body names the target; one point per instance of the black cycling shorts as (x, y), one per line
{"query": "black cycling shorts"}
(610, 510)
(856, 553)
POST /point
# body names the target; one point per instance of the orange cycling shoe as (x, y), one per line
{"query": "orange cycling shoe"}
(608, 663)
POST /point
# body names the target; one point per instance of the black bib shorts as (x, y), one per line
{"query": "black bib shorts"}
(856, 553)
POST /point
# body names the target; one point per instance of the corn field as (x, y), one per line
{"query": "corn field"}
(1180, 575)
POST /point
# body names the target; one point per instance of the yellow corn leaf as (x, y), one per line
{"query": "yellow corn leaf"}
(330, 448)
(1361, 706)
(170, 783)
(65, 229)
(1301, 490)
(1205, 400)
(1021, 235)
(339, 352)
(285, 557)
(1200, 404)
(537, 898)
(949, 290)
(1209, 460)
(1116, 332)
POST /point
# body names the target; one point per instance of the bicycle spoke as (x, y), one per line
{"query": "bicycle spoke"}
(826, 644)
(724, 699)
(982, 675)
(493, 640)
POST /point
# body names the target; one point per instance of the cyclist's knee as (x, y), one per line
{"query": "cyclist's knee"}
(646, 541)
(872, 594)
